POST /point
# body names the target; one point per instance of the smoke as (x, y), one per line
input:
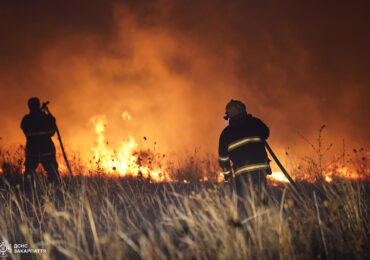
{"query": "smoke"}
(173, 65)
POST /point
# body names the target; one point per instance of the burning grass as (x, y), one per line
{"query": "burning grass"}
(108, 212)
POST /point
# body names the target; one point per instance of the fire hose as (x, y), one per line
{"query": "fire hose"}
(280, 165)
(45, 107)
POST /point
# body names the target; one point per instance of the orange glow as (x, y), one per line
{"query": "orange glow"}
(277, 177)
(342, 173)
(333, 172)
(168, 77)
(122, 159)
(126, 116)
(328, 179)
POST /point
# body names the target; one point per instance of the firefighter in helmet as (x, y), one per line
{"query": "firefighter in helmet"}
(38, 128)
(242, 143)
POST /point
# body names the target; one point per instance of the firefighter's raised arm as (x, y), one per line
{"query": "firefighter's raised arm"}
(52, 124)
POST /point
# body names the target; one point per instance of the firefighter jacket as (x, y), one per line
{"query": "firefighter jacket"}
(242, 143)
(39, 128)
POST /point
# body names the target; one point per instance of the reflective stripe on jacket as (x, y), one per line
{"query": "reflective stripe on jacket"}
(252, 167)
(242, 143)
(48, 133)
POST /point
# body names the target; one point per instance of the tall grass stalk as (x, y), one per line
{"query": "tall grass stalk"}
(115, 218)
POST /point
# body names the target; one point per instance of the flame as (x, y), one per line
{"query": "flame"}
(277, 177)
(343, 172)
(126, 116)
(124, 159)
(334, 171)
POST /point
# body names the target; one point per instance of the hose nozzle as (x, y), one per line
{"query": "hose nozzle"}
(45, 104)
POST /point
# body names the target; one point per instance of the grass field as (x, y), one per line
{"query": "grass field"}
(115, 218)
(98, 216)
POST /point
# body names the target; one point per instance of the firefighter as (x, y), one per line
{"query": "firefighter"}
(38, 128)
(242, 143)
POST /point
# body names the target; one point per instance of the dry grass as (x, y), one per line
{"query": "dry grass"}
(113, 218)
(100, 217)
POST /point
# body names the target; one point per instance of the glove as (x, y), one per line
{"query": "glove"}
(228, 176)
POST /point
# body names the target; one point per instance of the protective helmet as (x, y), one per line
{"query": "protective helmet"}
(234, 108)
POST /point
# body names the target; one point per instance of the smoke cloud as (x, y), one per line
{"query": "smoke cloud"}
(173, 65)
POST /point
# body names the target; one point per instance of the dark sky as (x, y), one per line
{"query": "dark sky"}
(175, 64)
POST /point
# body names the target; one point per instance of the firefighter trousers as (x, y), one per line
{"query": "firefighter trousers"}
(48, 162)
(251, 188)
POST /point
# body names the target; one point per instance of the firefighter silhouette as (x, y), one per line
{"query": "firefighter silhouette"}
(242, 143)
(38, 128)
